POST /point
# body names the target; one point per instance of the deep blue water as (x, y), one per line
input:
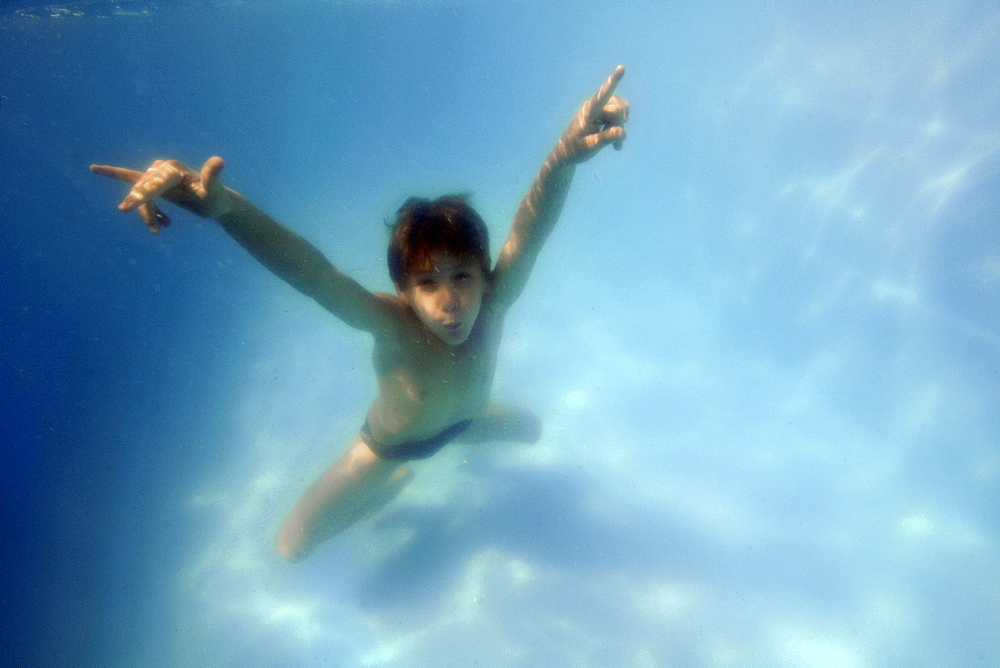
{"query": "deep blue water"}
(764, 338)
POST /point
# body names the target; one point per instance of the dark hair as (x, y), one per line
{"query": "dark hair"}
(425, 226)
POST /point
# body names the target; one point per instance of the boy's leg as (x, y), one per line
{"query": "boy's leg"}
(503, 423)
(355, 485)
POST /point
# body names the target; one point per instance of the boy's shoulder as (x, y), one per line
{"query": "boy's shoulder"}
(389, 299)
(399, 311)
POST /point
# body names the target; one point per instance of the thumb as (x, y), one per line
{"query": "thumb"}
(210, 174)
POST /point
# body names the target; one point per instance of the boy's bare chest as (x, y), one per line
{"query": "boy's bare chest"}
(427, 385)
(433, 375)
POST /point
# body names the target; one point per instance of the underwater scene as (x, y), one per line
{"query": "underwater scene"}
(762, 341)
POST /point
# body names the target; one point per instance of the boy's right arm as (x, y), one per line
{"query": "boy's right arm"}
(599, 122)
(284, 252)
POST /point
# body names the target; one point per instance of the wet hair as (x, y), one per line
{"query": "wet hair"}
(425, 226)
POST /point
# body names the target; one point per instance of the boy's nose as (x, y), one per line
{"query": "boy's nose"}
(449, 301)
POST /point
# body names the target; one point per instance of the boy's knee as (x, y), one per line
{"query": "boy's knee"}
(291, 544)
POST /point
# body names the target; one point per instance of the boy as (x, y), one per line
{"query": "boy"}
(436, 340)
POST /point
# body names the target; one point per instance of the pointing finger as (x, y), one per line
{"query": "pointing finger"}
(119, 173)
(606, 90)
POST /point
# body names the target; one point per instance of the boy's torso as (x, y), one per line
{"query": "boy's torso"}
(426, 385)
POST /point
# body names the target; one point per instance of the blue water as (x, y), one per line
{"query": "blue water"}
(764, 338)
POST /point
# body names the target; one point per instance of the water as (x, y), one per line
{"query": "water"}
(763, 339)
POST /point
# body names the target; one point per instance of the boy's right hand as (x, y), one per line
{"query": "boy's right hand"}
(599, 122)
(198, 192)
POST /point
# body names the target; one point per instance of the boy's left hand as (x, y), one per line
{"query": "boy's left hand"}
(198, 192)
(600, 121)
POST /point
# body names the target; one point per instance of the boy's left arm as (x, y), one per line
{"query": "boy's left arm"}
(599, 122)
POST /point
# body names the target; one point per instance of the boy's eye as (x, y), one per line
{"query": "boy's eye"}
(425, 283)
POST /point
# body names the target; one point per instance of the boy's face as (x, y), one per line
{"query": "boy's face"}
(446, 295)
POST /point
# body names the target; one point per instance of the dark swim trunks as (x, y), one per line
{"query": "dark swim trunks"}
(413, 449)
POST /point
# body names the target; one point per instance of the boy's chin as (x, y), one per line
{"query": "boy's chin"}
(453, 338)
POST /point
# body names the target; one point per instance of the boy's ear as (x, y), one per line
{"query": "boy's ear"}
(402, 295)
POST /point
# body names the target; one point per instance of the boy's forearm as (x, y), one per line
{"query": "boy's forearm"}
(282, 251)
(540, 208)
(599, 122)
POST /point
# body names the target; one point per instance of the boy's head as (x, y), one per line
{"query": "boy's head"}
(424, 227)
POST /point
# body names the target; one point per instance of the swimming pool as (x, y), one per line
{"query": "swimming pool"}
(763, 338)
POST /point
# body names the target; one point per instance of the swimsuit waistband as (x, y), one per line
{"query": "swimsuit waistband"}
(407, 450)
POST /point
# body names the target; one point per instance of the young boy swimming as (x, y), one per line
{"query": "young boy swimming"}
(436, 339)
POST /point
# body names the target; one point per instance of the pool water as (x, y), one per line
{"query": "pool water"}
(763, 339)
